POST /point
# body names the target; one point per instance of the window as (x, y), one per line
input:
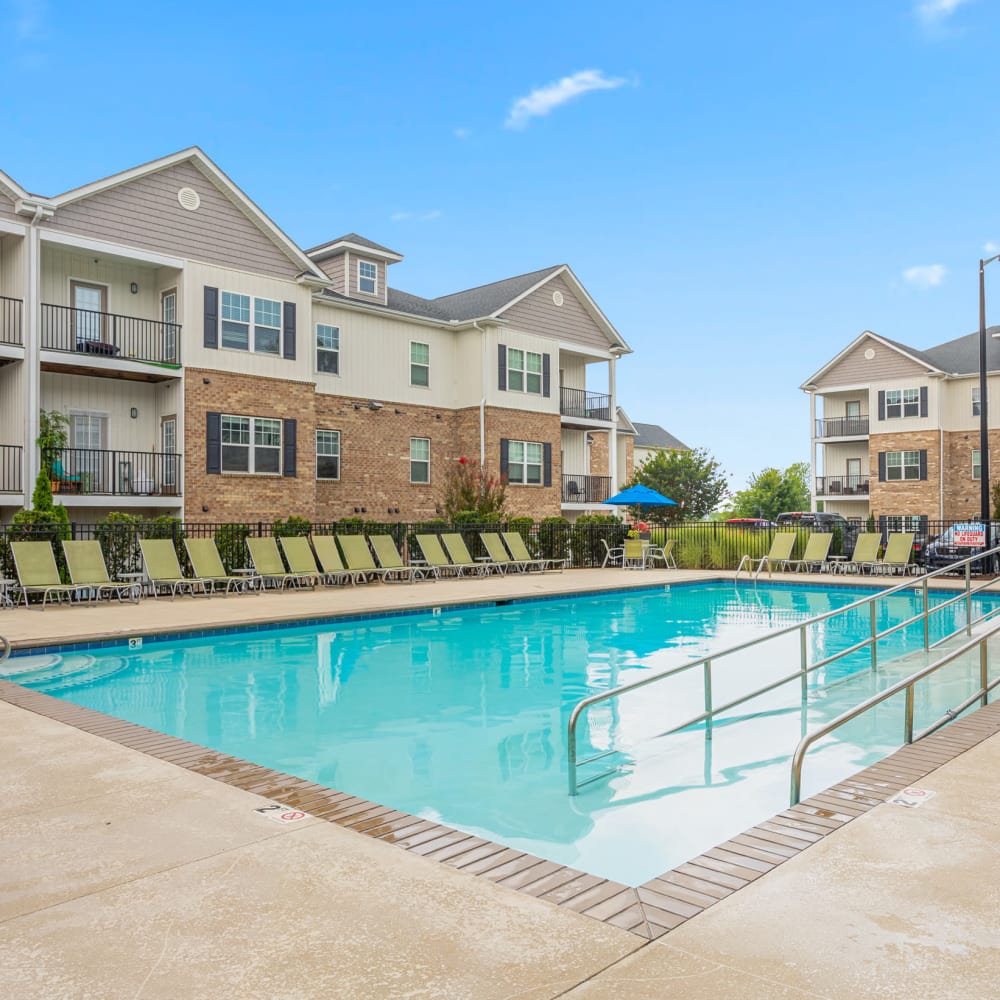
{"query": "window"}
(977, 464)
(902, 403)
(902, 464)
(236, 323)
(524, 371)
(328, 350)
(367, 277)
(251, 445)
(420, 460)
(524, 463)
(420, 370)
(328, 454)
(975, 401)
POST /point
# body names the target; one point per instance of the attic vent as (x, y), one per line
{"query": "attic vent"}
(557, 298)
(189, 199)
(869, 354)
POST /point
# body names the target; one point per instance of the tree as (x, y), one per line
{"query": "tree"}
(770, 492)
(692, 479)
(469, 492)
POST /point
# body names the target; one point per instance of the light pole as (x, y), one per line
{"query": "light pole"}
(984, 441)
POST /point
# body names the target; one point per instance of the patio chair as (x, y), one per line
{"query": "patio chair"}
(436, 558)
(664, 553)
(515, 542)
(865, 554)
(37, 573)
(612, 554)
(817, 549)
(164, 569)
(300, 558)
(270, 567)
(389, 558)
(634, 554)
(897, 554)
(207, 565)
(459, 554)
(359, 559)
(778, 555)
(330, 561)
(501, 560)
(89, 572)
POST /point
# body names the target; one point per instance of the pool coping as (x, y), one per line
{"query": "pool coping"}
(649, 910)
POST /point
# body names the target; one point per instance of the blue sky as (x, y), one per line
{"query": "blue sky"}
(742, 187)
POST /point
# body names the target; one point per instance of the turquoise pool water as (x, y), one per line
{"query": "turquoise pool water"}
(460, 716)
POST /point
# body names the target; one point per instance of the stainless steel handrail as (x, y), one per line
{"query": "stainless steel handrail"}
(804, 670)
(907, 685)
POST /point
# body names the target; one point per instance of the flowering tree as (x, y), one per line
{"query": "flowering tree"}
(469, 490)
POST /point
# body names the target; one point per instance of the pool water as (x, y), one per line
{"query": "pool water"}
(460, 716)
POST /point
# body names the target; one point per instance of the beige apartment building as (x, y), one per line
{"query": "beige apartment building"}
(896, 431)
(212, 370)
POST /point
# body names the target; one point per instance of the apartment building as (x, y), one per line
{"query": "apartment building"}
(895, 430)
(213, 370)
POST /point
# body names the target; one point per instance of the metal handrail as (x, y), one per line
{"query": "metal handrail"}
(907, 685)
(804, 670)
(4, 648)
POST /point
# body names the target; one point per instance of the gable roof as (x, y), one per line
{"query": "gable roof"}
(961, 355)
(654, 436)
(922, 358)
(352, 242)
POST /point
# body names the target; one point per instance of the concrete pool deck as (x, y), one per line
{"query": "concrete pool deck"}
(126, 876)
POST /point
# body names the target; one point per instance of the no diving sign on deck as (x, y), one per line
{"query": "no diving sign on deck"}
(911, 797)
(282, 814)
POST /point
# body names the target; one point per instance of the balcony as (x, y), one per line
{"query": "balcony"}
(583, 404)
(10, 321)
(585, 489)
(109, 335)
(828, 427)
(93, 472)
(10, 468)
(842, 486)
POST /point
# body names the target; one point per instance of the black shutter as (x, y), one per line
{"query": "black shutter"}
(546, 378)
(881, 466)
(502, 366)
(881, 404)
(288, 446)
(211, 317)
(213, 443)
(923, 401)
(923, 463)
(288, 341)
(504, 456)
(546, 462)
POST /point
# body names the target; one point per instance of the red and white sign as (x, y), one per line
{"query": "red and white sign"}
(911, 797)
(971, 536)
(282, 814)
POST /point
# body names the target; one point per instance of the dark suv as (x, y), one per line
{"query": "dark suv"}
(820, 521)
(944, 551)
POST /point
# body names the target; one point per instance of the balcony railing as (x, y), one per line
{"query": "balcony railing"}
(10, 321)
(114, 473)
(585, 489)
(838, 486)
(84, 331)
(10, 468)
(842, 426)
(581, 403)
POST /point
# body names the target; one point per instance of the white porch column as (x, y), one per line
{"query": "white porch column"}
(31, 318)
(613, 435)
(812, 443)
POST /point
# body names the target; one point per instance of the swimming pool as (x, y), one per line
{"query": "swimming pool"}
(460, 716)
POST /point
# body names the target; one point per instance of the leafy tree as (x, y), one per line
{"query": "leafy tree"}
(692, 479)
(770, 492)
(469, 488)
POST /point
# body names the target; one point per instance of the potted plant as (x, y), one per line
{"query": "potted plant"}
(53, 437)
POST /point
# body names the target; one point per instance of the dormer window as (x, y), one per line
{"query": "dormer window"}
(367, 277)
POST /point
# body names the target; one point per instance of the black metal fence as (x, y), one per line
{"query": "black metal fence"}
(84, 331)
(10, 468)
(114, 473)
(585, 489)
(581, 403)
(10, 321)
(842, 426)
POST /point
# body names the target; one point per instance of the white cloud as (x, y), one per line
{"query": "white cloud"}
(434, 213)
(925, 276)
(545, 99)
(462, 133)
(932, 12)
(991, 247)
(29, 19)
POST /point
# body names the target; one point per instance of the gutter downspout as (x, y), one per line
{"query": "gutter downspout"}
(613, 435)
(482, 401)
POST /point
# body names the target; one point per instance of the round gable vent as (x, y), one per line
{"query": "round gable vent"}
(869, 354)
(189, 199)
(557, 298)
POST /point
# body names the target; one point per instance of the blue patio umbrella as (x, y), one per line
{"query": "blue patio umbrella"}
(640, 496)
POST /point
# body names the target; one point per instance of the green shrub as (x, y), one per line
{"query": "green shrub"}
(118, 534)
(231, 541)
(553, 538)
(292, 527)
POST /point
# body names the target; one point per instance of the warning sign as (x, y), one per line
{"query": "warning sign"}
(282, 814)
(971, 536)
(911, 797)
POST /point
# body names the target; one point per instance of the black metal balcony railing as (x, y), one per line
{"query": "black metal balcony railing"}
(581, 403)
(114, 473)
(834, 486)
(10, 468)
(842, 426)
(84, 331)
(585, 489)
(10, 321)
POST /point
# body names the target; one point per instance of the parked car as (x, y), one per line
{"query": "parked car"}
(749, 523)
(944, 551)
(821, 521)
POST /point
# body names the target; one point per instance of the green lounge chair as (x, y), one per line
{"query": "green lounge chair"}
(89, 572)
(865, 555)
(270, 568)
(300, 558)
(37, 573)
(459, 554)
(329, 558)
(389, 558)
(515, 542)
(778, 555)
(207, 565)
(897, 554)
(359, 559)
(817, 549)
(164, 569)
(436, 558)
(499, 556)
